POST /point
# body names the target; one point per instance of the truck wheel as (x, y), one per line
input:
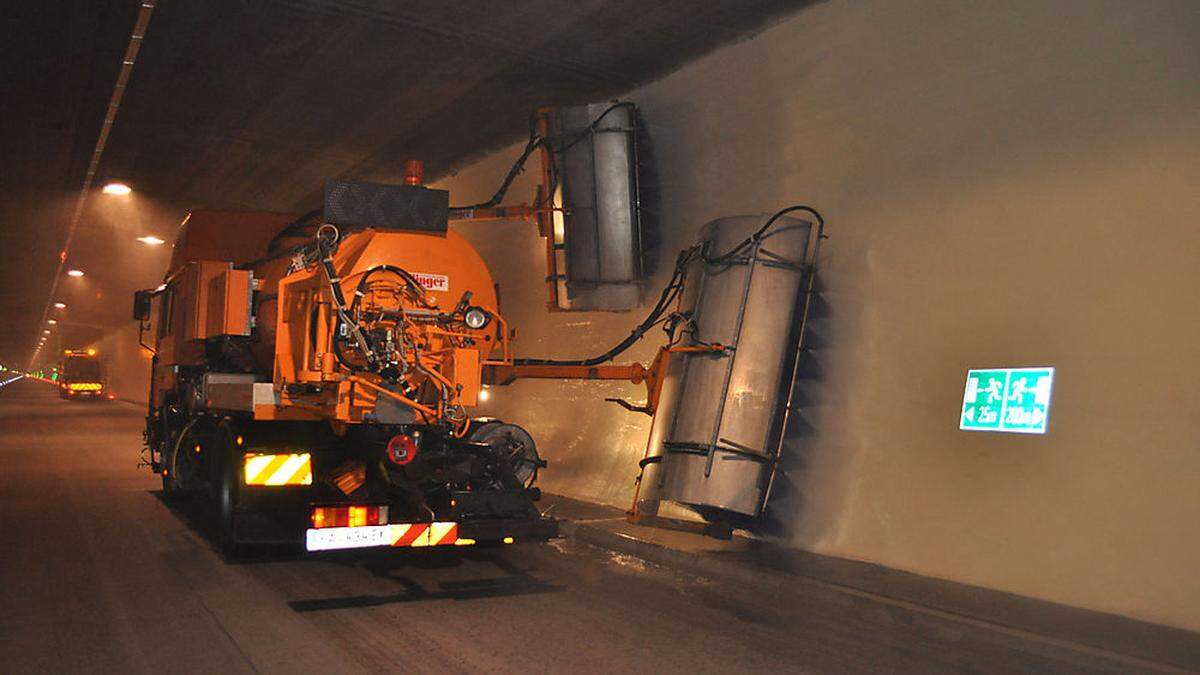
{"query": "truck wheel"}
(180, 464)
(172, 486)
(229, 487)
(170, 481)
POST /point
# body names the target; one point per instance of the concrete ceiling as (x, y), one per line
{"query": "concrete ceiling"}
(254, 104)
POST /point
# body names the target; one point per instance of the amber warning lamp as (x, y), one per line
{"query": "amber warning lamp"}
(414, 172)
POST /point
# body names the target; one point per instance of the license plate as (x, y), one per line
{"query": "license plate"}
(333, 538)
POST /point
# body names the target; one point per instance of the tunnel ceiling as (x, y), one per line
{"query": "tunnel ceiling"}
(254, 104)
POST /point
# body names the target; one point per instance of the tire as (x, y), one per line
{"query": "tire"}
(228, 491)
(179, 463)
(171, 485)
(170, 481)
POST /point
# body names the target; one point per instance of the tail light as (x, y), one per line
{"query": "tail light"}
(349, 516)
(402, 449)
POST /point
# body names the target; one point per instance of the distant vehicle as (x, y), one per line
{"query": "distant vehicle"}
(82, 376)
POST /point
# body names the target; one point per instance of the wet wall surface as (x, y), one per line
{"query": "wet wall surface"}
(1006, 184)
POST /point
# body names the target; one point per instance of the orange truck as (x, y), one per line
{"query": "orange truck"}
(316, 376)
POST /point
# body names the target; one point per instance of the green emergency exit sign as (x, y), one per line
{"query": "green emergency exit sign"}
(1007, 399)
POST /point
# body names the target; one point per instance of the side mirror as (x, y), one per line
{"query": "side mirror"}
(141, 305)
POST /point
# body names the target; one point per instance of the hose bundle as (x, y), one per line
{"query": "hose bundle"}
(658, 314)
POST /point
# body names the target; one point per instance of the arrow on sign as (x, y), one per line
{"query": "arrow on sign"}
(970, 414)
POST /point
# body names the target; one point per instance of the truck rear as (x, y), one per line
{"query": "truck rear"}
(81, 376)
(315, 377)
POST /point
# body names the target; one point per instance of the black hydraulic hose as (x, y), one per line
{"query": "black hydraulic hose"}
(749, 241)
(339, 299)
(293, 226)
(335, 285)
(291, 229)
(409, 280)
(674, 287)
(665, 298)
(532, 144)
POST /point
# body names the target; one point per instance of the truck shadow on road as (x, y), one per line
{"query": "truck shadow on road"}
(399, 566)
(391, 564)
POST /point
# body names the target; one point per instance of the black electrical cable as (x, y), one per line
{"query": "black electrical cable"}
(409, 280)
(673, 288)
(668, 295)
(532, 144)
(752, 239)
(583, 133)
(292, 227)
(335, 287)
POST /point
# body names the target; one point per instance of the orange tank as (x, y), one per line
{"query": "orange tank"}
(423, 305)
(433, 336)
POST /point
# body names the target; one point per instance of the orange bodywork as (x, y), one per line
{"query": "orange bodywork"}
(294, 317)
(231, 275)
(450, 359)
(650, 376)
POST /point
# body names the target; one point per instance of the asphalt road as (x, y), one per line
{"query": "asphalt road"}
(99, 574)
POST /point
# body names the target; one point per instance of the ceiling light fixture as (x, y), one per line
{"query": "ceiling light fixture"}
(74, 273)
(151, 240)
(136, 37)
(60, 305)
(118, 189)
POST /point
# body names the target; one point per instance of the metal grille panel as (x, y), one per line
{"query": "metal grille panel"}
(405, 207)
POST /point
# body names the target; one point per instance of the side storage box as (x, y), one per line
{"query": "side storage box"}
(229, 303)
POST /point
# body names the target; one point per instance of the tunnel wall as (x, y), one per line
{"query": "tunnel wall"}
(1007, 183)
(126, 363)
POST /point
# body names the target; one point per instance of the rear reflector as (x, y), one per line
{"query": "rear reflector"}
(407, 535)
(348, 516)
(294, 469)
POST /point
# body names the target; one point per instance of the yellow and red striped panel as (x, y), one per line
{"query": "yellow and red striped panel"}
(407, 535)
(85, 386)
(293, 469)
(428, 534)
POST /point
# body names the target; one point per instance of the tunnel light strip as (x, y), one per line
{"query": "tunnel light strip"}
(114, 104)
(10, 381)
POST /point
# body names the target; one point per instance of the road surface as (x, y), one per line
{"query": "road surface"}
(101, 575)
